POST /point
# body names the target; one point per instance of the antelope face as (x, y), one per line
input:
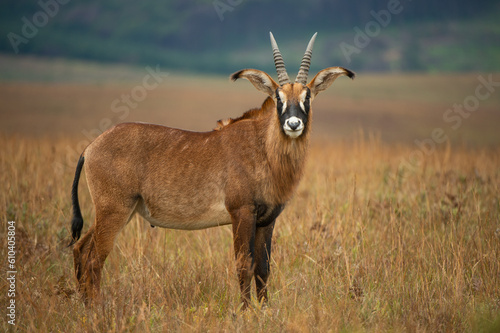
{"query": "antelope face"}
(293, 100)
(293, 103)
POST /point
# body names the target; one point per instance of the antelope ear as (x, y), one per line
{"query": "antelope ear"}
(262, 81)
(325, 78)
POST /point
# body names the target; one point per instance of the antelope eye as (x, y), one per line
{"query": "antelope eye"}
(308, 96)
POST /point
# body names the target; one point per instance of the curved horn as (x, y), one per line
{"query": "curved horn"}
(278, 62)
(306, 62)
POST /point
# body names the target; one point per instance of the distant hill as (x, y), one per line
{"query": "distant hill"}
(224, 35)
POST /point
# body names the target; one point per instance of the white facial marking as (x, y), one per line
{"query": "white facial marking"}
(297, 124)
(283, 100)
(282, 96)
(303, 95)
(302, 98)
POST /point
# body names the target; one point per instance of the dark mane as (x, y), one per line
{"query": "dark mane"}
(250, 114)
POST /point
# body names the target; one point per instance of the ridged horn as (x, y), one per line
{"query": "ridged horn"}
(279, 63)
(306, 62)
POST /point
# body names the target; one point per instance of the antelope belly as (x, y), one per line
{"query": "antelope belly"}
(215, 215)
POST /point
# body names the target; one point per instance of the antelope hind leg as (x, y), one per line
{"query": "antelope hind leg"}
(91, 251)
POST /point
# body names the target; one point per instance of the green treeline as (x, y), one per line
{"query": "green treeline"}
(223, 35)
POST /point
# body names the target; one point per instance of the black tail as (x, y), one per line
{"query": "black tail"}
(77, 221)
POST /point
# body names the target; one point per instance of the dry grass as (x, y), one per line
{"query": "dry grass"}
(364, 245)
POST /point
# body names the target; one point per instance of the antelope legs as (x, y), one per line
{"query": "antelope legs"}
(263, 238)
(91, 251)
(244, 240)
(252, 248)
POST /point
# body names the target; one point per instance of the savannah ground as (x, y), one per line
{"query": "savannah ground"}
(378, 237)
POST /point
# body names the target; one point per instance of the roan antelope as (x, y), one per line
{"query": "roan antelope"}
(242, 173)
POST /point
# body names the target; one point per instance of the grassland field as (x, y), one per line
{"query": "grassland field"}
(368, 243)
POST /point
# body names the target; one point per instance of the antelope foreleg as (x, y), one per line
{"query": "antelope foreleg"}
(263, 239)
(244, 248)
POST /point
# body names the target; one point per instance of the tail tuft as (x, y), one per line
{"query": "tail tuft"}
(76, 229)
(77, 221)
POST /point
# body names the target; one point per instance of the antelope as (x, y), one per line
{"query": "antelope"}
(242, 173)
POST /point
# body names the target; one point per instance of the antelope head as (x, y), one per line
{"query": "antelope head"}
(292, 100)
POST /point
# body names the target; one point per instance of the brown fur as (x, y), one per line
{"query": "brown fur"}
(179, 179)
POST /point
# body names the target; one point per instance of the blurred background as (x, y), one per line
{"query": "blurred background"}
(414, 59)
(219, 36)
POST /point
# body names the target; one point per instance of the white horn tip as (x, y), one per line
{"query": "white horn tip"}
(313, 38)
